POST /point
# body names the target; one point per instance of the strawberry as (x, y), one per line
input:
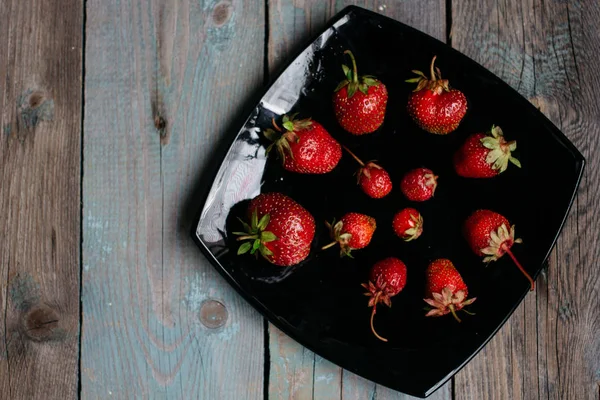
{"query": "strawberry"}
(280, 229)
(485, 155)
(445, 289)
(433, 105)
(419, 184)
(372, 178)
(490, 235)
(305, 146)
(386, 279)
(354, 231)
(408, 224)
(359, 101)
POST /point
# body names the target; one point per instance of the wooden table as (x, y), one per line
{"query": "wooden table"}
(110, 110)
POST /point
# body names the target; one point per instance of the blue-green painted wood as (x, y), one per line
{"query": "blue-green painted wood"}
(163, 81)
(295, 372)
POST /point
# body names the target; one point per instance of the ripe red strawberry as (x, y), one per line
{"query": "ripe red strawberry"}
(433, 105)
(485, 155)
(354, 231)
(280, 229)
(445, 289)
(359, 101)
(419, 184)
(490, 235)
(408, 224)
(372, 178)
(305, 146)
(386, 279)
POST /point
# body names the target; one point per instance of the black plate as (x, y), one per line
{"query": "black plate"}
(319, 303)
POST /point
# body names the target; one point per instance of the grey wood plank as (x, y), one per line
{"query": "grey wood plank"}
(550, 348)
(40, 146)
(295, 372)
(163, 81)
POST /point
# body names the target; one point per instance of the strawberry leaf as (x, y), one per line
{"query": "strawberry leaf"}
(343, 83)
(254, 219)
(515, 161)
(265, 252)
(347, 71)
(289, 125)
(267, 236)
(352, 87)
(414, 80)
(264, 221)
(255, 246)
(244, 248)
(369, 81)
(363, 88)
(246, 227)
(272, 135)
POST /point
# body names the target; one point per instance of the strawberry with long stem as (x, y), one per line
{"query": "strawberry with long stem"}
(372, 178)
(490, 235)
(387, 278)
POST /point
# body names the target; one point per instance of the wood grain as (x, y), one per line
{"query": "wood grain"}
(295, 372)
(163, 78)
(550, 348)
(40, 139)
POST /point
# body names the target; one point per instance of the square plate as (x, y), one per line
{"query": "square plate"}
(319, 302)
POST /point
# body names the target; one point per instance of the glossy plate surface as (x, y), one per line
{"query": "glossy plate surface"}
(320, 302)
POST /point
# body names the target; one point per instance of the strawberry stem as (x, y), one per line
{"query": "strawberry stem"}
(354, 156)
(275, 125)
(354, 69)
(432, 69)
(531, 281)
(373, 328)
(453, 311)
(329, 245)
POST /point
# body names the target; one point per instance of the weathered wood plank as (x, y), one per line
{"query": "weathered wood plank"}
(163, 80)
(550, 348)
(295, 372)
(40, 119)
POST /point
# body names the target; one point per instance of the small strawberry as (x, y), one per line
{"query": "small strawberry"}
(305, 146)
(280, 229)
(433, 105)
(354, 231)
(445, 289)
(372, 178)
(408, 224)
(485, 155)
(359, 101)
(490, 235)
(386, 279)
(419, 184)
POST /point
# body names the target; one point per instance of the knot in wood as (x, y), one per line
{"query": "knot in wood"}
(35, 106)
(213, 314)
(40, 323)
(222, 13)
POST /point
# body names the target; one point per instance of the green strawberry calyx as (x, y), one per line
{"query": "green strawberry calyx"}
(339, 236)
(355, 82)
(448, 301)
(415, 231)
(282, 138)
(500, 150)
(255, 236)
(435, 83)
